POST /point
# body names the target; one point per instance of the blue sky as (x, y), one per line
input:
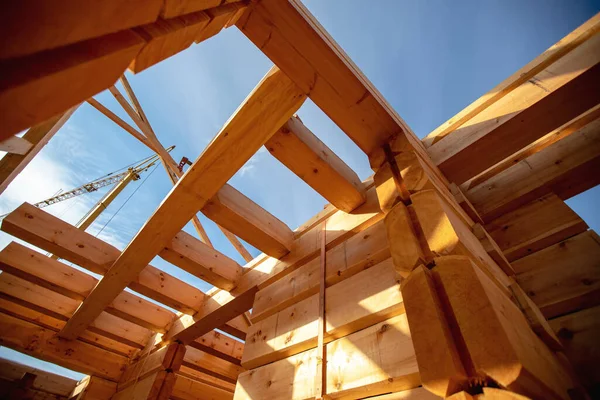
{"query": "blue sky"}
(429, 58)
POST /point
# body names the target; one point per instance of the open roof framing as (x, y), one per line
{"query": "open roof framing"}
(530, 143)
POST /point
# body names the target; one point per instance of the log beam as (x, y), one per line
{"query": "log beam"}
(309, 158)
(272, 102)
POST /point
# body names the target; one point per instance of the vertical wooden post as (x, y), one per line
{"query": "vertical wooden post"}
(321, 376)
(457, 298)
(153, 376)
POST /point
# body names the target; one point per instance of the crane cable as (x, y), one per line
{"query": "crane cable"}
(126, 200)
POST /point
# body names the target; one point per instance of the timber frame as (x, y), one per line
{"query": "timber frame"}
(456, 271)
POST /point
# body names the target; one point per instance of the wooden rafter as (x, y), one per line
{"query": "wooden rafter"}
(272, 102)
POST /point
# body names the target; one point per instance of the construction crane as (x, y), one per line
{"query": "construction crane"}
(121, 180)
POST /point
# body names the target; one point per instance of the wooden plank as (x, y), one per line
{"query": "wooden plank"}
(201, 260)
(553, 97)
(23, 312)
(43, 344)
(500, 343)
(15, 145)
(267, 270)
(211, 365)
(578, 333)
(241, 216)
(44, 381)
(61, 307)
(564, 277)
(309, 158)
(555, 52)
(167, 37)
(220, 345)
(535, 226)
(36, 26)
(558, 134)
(384, 351)
(41, 270)
(206, 378)
(94, 388)
(173, 8)
(419, 393)
(29, 85)
(358, 253)
(58, 237)
(272, 102)
(440, 364)
(12, 165)
(365, 299)
(538, 174)
(191, 389)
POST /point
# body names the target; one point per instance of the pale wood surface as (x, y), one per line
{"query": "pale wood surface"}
(309, 158)
(244, 218)
(29, 85)
(535, 226)
(43, 343)
(360, 301)
(564, 277)
(384, 352)
(15, 145)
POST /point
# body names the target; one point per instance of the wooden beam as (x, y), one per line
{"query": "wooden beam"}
(43, 271)
(555, 96)
(579, 334)
(61, 307)
(15, 145)
(309, 158)
(187, 388)
(43, 344)
(167, 37)
(564, 277)
(37, 87)
(171, 167)
(35, 27)
(199, 259)
(58, 237)
(247, 220)
(219, 19)
(45, 382)
(173, 8)
(214, 366)
(541, 173)
(292, 38)
(554, 53)
(12, 165)
(272, 102)
(117, 120)
(535, 226)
